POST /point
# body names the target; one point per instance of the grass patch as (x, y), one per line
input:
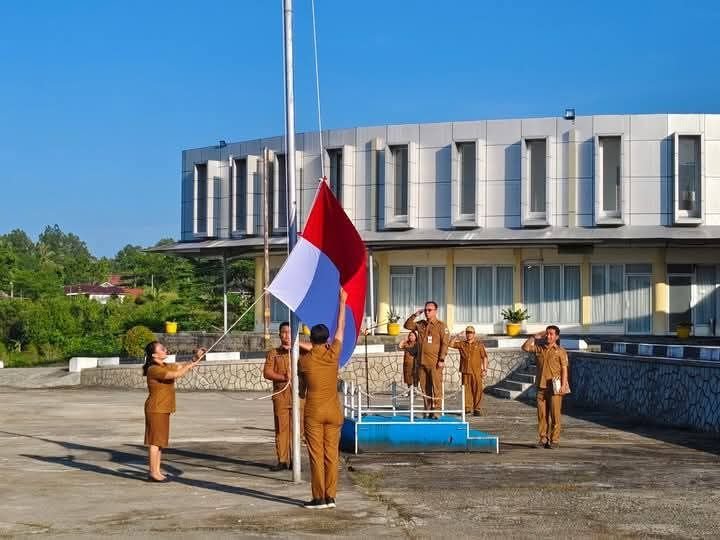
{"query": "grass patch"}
(28, 359)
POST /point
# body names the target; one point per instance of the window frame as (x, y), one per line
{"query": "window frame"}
(542, 299)
(442, 306)
(459, 219)
(245, 228)
(681, 217)
(212, 182)
(475, 310)
(606, 292)
(393, 220)
(602, 217)
(347, 186)
(528, 217)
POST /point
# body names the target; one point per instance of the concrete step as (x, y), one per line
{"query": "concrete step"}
(514, 385)
(522, 376)
(503, 392)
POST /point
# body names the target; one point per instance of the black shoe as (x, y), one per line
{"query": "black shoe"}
(553, 445)
(316, 504)
(541, 444)
(547, 445)
(330, 502)
(288, 466)
(279, 467)
(477, 413)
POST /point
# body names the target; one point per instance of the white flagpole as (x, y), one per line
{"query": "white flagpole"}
(292, 221)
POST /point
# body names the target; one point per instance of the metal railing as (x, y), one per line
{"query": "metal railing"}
(353, 403)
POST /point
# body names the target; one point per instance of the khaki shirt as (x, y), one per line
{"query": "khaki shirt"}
(319, 371)
(550, 361)
(162, 391)
(433, 340)
(472, 354)
(278, 360)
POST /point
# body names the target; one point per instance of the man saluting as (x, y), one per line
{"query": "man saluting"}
(433, 341)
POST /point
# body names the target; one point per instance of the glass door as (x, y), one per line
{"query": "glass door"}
(638, 304)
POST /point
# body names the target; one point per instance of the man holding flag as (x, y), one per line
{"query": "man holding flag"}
(323, 282)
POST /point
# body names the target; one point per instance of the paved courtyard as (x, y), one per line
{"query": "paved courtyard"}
(73, 466)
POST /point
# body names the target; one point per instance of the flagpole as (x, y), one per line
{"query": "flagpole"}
(292, 221)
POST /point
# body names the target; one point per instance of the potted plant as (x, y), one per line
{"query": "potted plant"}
(514, 318)
(393, 326)
(682, 330)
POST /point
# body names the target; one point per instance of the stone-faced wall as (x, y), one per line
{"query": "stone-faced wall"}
(383, 369)
(680, 393)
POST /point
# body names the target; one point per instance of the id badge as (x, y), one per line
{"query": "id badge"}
(429, 339)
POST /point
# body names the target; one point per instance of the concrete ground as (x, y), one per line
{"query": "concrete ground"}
(73, 466)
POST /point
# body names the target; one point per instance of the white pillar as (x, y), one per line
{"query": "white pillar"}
(225, 293)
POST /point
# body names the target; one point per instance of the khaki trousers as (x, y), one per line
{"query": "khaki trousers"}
(283, 430)
(549, 415)
(430, 381)
(473, 391)
(322, 435)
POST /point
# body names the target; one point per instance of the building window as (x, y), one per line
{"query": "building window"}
(609, 149)
(688, 176)
(704, 312)
(538, 175)
(412, 286)
(638, 298)
(400, 180)
(239, 196)
(201, 198)
(335, 179)
(481, 292)
(552, 293)
(467, 155)
(606, 288)
(280, 194)
(534, 181)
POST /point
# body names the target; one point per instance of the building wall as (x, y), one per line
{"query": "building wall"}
(647, 176)
(656, 259)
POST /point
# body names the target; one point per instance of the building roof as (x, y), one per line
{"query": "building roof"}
(424, 238)
(90, 288)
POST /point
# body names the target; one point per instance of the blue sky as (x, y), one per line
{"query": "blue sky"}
(98, 99)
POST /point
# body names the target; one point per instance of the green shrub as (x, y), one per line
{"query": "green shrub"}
(135, 341)
(3, 352)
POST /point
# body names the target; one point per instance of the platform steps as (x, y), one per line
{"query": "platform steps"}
(517, 385)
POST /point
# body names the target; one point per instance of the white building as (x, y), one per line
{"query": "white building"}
(600, 224)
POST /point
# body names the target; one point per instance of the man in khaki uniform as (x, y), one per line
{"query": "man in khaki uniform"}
(552, 363)
(473, 366)
(277, 369)
(433, 341)
(323, 417)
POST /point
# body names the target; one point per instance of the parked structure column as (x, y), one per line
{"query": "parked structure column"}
(383, 290)
(450, 288)
(517, 278)
(660, 292)
(585, 293)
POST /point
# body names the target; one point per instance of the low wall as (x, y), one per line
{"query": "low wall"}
(679, 393)
(383, 370)
(185, 342)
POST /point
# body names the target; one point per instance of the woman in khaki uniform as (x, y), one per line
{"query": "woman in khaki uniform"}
(409, 346)
(323, 416)
(161, 401)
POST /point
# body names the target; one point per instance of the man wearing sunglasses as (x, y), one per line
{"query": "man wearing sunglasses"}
(433, 341)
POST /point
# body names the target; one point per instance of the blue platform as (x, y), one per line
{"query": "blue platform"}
(388, 433)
